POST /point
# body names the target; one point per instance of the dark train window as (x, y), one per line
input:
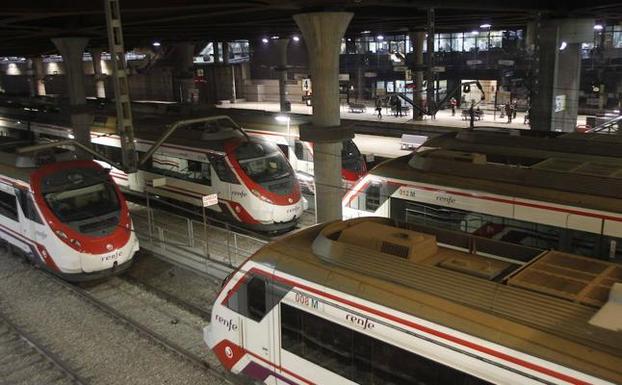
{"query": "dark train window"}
(28, 206)
(223, 170)
(298, 149)
(372, 197)
(256, 297)
(359, 357)
(8, 205)
(301, 152)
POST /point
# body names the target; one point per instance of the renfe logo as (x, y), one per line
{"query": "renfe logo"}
(228, 323)
(359, 321)
(447, 199)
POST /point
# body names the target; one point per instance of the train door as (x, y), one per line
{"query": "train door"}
(258, 326)
(30, 223)
(9, 216)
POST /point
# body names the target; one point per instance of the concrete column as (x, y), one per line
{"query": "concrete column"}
(429, 75)
(32, 81)
(225, 52)
(530, 36)
(417, 38)
(72, 49)
(229, 70)
(555, 95)
(360, 81)
(184, 73)
(323, 32)
(281, 45)
(216, 47)
(37, 63)
(100, 87)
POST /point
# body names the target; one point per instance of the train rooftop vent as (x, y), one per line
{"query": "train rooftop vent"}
(421, 160)
(571, 166)
(394, 249)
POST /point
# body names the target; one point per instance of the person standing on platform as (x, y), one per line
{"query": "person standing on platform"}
(508, 111)
(453, 102)
(514, 108)
(398, 107)
(472, 116)
(379, 107)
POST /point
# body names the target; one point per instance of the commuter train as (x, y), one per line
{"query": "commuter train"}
(67, 216)
(300, 155)
(365, 302)
(554, 192)
(256, 186)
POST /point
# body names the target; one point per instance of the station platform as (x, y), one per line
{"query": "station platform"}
(443, 117)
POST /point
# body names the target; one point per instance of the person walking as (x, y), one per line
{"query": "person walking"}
(508, 111)
(379, 107)
(453, 102)
(514, 108)
(432, 110)
(398, 107)
(472, 116)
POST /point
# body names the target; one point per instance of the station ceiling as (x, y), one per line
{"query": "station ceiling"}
(27, 26)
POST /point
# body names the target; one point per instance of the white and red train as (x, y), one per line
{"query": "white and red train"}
(67, 216)
(300, 154)
(256, 186)
(364, 302)
(553, 193)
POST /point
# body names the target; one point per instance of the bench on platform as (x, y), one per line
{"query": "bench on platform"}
(412, 142)
(357, 107)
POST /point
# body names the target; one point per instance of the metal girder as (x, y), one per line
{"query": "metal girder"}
(125, 125)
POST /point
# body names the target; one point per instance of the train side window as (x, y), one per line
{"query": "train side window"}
(298, 150)
(256, 297)
(28, 206)
(8, 205)
(199, 171)
(359, 357)
(222, 169)
(372, 197)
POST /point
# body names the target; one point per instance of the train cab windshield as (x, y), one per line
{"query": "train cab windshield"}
(263, 162)
(83, 198)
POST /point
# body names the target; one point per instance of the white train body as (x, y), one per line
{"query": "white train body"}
(255, 184)
(579, 218)
(300, 156)
(68, 217)
(281, 319)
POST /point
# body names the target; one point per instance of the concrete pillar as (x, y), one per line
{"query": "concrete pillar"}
(72, 49)
(323, 32)
(417, 38)
(225, 52)
(32, 81)
(37, 63)
(530, 36)
(100, 87)
(216, 47)
(360, 81)
(184, 73)
(281, 45)
(555, 95)
(429, 75)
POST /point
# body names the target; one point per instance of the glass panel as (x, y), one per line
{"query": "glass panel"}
(457, 41)
(469, 43)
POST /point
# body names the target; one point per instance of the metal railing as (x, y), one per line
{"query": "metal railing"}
(214, 248)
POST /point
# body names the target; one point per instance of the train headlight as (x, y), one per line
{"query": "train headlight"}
(258, 195)
(76, 242)
(62, 235)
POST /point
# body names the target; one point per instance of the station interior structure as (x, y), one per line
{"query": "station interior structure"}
(329, 82)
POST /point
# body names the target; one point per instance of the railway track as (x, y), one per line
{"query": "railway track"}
(138, 327)
(24, 360)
